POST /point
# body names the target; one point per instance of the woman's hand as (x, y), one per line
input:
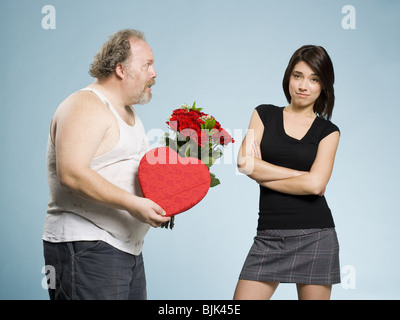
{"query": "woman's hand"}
(255, 150)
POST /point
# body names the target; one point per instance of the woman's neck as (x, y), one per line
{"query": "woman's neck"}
(307, 111)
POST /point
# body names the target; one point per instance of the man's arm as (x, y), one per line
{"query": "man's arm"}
(80, 125)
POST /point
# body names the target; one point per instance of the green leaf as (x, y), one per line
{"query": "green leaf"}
(209, 124)
(194, 107)
(214, 181)
(216, 153)
(187, 152)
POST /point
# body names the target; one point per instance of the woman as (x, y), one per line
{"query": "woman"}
(290, 152)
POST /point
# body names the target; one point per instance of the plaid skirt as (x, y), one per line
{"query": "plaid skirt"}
(307, 256)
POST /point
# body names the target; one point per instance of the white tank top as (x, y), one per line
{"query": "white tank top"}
(72, 218)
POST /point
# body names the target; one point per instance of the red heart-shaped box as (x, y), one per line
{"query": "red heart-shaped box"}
(173, 182)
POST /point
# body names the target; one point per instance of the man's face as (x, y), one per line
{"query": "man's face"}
(140, 73)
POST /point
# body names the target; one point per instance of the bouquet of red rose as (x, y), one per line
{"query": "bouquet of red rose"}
(196, 134)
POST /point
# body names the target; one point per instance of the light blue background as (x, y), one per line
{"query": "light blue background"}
(229, 56)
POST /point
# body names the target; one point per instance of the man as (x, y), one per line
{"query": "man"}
(97, 218)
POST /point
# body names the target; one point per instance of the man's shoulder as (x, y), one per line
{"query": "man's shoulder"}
(84, 103)
(83, 108)
(84, 98)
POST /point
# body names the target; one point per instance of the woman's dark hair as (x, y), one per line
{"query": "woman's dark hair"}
(320, 62)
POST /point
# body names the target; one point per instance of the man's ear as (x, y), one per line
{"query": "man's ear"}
(120, 71)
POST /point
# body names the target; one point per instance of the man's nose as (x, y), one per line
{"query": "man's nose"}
(153, 73)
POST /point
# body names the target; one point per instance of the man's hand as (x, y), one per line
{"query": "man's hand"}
(147, 211)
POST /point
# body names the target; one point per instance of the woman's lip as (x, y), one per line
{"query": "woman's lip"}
(302, 95)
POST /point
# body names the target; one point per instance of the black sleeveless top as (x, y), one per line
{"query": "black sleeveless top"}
(284, 211)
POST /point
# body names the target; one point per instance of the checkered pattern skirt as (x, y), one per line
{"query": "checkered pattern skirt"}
(307, 256)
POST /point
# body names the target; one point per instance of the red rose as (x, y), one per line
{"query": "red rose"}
(225, 137)
(188, 124)
(189, 121)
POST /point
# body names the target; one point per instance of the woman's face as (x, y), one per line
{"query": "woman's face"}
(304, 85)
